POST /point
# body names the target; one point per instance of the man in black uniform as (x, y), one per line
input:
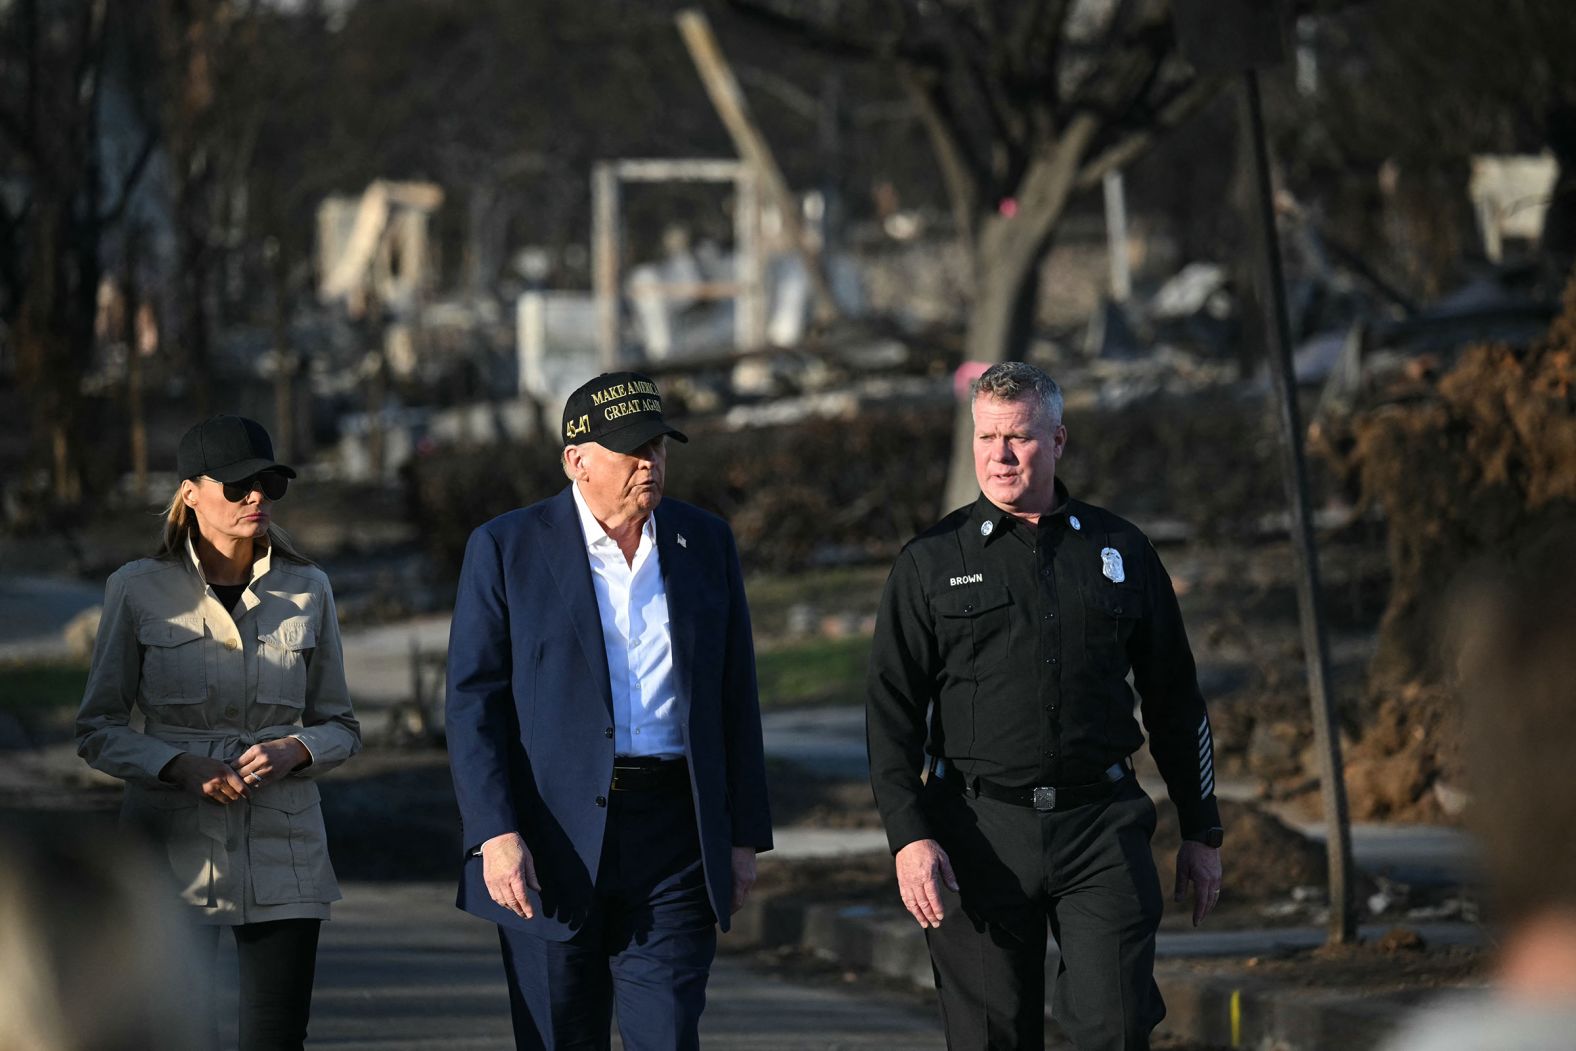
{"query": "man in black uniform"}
(1014, 622)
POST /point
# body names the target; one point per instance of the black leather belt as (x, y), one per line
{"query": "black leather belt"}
(643, 773)
(1042, 797)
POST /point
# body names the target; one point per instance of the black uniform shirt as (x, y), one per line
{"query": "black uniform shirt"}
(1022, 637)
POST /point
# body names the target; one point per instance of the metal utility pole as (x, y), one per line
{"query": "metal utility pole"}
(607, 248)
(1242, 36)
(1116, 236)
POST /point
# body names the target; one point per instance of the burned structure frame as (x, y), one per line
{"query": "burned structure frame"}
(747, 289)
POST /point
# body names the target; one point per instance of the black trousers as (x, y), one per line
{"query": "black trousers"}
(647, 944)
(278, 961)
(1088, 873)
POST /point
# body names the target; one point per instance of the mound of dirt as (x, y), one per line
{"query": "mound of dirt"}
(1471, 471)
(1265, 859)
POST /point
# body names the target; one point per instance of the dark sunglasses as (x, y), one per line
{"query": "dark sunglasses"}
(272, 483)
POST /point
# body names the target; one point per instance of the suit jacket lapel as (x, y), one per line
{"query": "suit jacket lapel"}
(564, 547)
(678, 576)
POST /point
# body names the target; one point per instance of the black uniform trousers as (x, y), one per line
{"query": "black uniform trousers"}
(647, 945)
(1087, 871)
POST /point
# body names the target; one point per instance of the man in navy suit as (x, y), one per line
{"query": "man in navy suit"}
(605, 736)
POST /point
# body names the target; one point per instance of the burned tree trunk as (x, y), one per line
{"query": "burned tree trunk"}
(1011, 245)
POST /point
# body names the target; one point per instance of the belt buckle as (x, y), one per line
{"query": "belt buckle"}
(1045, 799)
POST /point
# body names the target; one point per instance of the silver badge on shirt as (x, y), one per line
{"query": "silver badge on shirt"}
(1111, 565)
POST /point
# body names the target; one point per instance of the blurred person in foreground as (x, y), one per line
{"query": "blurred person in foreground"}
(605, 736)
(1002, 649)
(227, 644)
(1514, 634)
(93, 956)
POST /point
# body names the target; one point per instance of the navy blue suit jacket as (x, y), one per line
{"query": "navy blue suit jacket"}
(530, 709)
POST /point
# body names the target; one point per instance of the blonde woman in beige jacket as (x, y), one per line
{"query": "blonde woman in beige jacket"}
(227, 645)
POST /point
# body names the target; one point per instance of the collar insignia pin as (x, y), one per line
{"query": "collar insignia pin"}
(1072, 520)
(986, 528)
(682, 542)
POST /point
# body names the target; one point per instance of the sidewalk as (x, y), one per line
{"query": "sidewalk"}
(1226, 1006)
(401, 969)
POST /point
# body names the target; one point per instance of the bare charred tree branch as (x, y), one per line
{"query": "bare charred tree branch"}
(10, 269)
(1110, 86)
(1120, 18)
(16, 132)
(995, 107)
(790, 95)
(1050, 77)
(129, 180)
(963, 179)
(90, 62)
(30, 37)
(831, 42)
(1173, 111)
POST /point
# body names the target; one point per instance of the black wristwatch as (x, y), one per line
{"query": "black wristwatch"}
(1210, 837)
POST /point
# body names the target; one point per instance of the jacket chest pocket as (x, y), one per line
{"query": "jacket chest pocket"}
(1111, 614)
(972, 628)
(283, 652)
(174, 669)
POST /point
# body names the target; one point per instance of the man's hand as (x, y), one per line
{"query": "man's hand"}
(1199, 865)
(205, 778)
(507, 869)
(922, 867)
(743, 876)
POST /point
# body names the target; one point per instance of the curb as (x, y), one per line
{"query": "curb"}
(1238, 1011)
(1228, 1010)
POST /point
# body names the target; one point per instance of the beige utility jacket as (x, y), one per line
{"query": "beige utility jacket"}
(212, 684)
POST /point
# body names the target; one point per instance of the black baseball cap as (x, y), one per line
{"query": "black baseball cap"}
(227, 449)
(618, 410)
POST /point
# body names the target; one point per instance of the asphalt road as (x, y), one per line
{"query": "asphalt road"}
(400, 969)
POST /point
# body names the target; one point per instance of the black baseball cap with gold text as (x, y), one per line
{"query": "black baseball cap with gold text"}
(620, 411)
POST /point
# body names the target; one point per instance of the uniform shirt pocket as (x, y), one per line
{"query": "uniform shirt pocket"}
(173, 665)
(282, 653)
(288, 845)
(972, 622)
(1111, 613)
(972, 634)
